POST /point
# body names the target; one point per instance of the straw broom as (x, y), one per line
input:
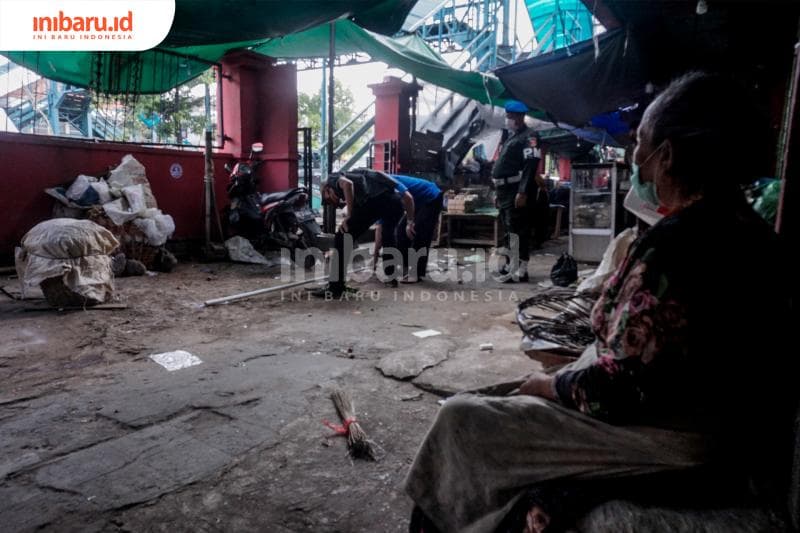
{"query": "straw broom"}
(358, 445)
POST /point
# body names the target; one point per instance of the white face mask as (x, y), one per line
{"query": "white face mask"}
(511, 124)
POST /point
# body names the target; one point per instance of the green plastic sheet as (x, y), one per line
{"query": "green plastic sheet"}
(159, 70)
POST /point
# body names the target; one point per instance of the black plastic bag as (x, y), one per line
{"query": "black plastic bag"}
(565, 271)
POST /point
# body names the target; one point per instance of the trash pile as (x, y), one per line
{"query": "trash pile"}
(123, 203)
(69, 259)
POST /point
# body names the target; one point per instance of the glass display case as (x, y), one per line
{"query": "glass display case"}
(593, 208)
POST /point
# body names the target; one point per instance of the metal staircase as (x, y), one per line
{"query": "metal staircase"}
(470, 35)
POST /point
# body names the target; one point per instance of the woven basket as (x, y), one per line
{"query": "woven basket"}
(58, 295)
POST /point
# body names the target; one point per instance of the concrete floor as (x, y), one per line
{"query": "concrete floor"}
(95, 436)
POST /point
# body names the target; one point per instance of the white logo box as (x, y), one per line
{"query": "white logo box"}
(84, 25)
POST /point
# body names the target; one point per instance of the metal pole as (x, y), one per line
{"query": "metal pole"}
(506, 22)
(514, 36)
(786, 219)
(414, 107)
(329, 211)
(208, 182)
(53, 98)
(244, 295)
(331, 96)
(323, 115)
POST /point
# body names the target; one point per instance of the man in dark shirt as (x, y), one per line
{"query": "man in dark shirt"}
(368, 196)
(513, 177)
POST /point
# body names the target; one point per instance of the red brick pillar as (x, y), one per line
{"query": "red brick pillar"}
(565, 169)
(259, 104)
(393, 118)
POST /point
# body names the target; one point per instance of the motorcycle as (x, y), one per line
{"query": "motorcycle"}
(281, 219)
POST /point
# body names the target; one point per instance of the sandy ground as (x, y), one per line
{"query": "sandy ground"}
(96, 436)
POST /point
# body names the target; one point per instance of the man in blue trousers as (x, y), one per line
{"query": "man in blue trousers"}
(428, 199)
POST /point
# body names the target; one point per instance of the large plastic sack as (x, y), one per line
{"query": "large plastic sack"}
(131, 172)
(119, 212)
(134, 194)
(103, 194)
(82, 193)
(242, 251)
(76, 251)
(79, 187)
(158, 228)
(612, 258)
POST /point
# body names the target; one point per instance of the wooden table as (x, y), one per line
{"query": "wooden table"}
(456, 224)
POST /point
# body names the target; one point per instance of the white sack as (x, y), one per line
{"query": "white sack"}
(77, 251)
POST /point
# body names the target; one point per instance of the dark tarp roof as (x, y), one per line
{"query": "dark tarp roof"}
(571, 85)
(659, 40)
(199, 22)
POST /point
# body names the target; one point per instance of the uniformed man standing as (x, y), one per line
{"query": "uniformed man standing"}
(513, 177)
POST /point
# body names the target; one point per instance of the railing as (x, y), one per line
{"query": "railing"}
(40, 106)
(307, 159)
(388, 155)
(349, 142)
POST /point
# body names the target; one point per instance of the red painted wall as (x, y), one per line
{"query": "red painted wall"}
(32, 163)
(259, 103)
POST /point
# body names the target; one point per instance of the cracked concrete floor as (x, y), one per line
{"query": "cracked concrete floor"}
(94, 436)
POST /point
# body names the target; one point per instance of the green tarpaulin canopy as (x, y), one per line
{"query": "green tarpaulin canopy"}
(409, 53)
(151, 72)
(158, 70)
(202, 31)
(216, 21)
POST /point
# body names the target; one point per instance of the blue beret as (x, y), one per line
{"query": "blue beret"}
(515, 106)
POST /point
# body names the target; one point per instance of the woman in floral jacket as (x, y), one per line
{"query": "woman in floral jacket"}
(689, 367)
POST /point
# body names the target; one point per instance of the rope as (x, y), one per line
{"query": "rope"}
(340, 431)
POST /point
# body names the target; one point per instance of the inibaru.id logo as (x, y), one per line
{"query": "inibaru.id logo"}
(84, 24)
(65, 23)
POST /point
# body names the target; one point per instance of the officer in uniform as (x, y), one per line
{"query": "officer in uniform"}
(513, 177)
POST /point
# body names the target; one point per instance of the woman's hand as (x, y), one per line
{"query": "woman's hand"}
(520, 200)
(343, 226)
(539, 384)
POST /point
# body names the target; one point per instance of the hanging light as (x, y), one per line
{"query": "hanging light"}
(702, 7)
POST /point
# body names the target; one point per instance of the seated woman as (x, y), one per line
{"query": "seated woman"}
(689, 367)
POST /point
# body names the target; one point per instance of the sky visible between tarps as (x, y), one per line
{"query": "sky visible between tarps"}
(409, 53)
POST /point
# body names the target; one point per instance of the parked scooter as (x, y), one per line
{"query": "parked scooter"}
(269, 220)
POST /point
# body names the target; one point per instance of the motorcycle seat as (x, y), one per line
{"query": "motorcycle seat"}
(268, 198)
